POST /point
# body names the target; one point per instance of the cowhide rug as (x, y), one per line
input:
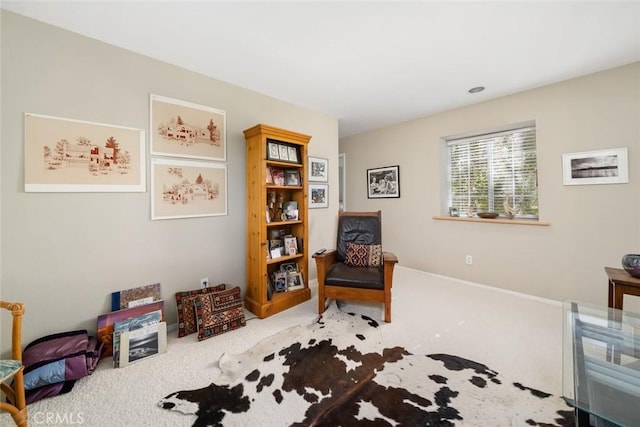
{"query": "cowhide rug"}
(335, 372)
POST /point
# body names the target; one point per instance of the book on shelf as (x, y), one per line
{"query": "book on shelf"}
(143, 343)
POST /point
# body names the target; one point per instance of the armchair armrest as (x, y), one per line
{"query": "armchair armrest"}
(389, 257)
(323, 262)
(326, 259)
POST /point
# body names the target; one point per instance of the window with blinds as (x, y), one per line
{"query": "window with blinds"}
(486, 170)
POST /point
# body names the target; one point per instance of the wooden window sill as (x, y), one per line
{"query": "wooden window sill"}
(494, 221)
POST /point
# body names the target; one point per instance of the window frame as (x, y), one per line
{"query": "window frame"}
(493, 199)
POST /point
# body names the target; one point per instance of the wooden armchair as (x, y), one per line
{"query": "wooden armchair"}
(12, 369)
(354, 270)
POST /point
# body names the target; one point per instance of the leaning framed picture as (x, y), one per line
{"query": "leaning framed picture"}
(595, 167)
(318, 196)
(184, 129)
(318, 169)
(67, 155)
(383, 182)
(187, 189)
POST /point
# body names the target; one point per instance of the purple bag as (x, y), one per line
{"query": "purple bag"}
(53, 363)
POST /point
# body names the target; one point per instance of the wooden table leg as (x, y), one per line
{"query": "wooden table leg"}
(611, 285)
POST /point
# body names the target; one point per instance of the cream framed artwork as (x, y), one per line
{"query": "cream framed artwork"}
(595, 167)
(68, 155)
(184, 129)
(187, 189)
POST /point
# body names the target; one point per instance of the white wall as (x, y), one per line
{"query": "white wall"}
(591, 226)
(62, 254)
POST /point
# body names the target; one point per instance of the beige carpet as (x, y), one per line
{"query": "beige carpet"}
(516, 335)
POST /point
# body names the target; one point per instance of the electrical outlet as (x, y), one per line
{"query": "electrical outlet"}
(204, 282)
(468, 260)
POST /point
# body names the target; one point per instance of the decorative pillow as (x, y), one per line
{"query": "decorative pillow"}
(218, 312)
(363, 255)
(184, 302)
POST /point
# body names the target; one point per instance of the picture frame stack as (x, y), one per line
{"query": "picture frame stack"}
(287, 278)
(318, 182)
(188, 147)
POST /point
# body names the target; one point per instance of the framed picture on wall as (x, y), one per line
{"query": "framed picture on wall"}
(318, 196)
(187, 189)
(318, 169)
(383, 182)
(67, 155)
(184, 129)
(595, 167)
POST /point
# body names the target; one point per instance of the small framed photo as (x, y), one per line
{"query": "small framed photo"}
(292, 177)
(278, 176)
(290, 245)
(595, 167)
(273, 151)
(283, 152)
(290, 211)
(280, 280)
(318, 169)
(289, 267)
(294, 281)
(453, 211)
(318, 196)
(268, 177)
(383, 182)
(292, 152)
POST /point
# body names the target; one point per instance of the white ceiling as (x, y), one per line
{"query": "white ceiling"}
(369, 64)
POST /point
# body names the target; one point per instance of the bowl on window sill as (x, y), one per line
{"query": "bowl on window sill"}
(490, 215)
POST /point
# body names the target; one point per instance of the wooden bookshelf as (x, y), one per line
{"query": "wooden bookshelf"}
(259, 267)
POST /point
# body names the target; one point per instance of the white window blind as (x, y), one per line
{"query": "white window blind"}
(485, 169)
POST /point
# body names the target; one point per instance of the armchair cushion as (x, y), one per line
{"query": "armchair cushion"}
(363, 255)
(340, 274)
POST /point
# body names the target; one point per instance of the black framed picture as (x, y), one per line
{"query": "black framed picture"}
(273, 151)
(383, 182)
(292, 177)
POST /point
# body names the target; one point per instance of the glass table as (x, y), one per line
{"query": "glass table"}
(601, 364)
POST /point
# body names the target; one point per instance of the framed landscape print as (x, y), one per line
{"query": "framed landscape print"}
(595, 167)
(383, 182)
(187, 189)
(318, 169)
(184, 129)
(318, 196)
(67, 155)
